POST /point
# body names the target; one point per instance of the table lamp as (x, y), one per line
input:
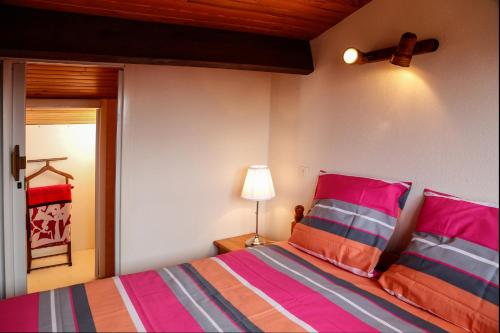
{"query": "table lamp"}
(258, 186)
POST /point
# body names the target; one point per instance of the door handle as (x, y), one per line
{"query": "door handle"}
(17, 163)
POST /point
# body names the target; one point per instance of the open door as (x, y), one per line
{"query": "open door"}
(14, 213)
(15, 78)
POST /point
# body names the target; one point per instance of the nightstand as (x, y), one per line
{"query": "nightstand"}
(236, 243)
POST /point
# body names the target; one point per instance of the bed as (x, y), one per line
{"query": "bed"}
(265, 288)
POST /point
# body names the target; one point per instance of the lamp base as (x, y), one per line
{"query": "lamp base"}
(254, 241)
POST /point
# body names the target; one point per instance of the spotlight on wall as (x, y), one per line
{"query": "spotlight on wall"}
(404, 51)
(353, 56)
(399, 55)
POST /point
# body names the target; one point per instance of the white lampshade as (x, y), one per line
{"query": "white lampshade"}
(258, 184)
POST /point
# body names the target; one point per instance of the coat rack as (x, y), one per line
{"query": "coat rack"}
(48, 167)
(67, 176)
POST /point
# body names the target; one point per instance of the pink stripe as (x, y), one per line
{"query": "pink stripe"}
(371, 193)
(455, 218)
(75, 321)
(349, 226)
(450, 266)
(348, 288)
(19, 314)
(303, 302)
(156, 305)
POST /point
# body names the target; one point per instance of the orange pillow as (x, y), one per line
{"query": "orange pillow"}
(450, 267)
(351, 222)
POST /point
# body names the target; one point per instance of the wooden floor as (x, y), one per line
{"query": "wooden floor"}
(83, 270)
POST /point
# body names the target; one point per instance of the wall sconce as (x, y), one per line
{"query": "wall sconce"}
(398, 55)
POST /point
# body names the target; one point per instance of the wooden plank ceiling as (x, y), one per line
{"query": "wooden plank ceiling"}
(63, 81)
(60, 116)
(300, 19)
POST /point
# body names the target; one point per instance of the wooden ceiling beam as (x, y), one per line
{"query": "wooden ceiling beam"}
(302, 19)
(42, 34)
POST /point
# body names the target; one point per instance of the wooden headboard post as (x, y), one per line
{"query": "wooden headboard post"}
(299, 214)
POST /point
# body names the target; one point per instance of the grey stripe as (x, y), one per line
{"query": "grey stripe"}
(349, 217)
(455, 259)
(82, 309)
(44, 313)
(211, 292)
(387, 321)
(378, 215)
(462, 244)
(346, 231)
(65, 322)
(466, 282)
(200, 298)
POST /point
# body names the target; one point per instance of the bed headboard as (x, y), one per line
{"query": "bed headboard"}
(299, 214)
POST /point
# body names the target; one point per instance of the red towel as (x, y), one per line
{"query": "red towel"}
(50, 215)
(46, 195)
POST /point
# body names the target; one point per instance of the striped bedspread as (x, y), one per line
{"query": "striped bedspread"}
(271, 288)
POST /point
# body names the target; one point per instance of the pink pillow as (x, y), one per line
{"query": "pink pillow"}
(351, 221)
(450, 267)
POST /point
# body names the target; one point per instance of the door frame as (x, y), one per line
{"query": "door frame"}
(13, 277)
(14, 239)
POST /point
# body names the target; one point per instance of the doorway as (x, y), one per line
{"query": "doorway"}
(70, 141)
(64, 139)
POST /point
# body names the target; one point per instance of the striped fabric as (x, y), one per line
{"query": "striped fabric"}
(451, 264)
(351, 221)
(274, 288)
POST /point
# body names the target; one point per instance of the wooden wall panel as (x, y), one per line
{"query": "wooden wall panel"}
(36, 116)
(63, 81)
(288, 18)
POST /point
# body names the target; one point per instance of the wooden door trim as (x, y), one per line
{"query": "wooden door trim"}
(118, 170)
(106, 188)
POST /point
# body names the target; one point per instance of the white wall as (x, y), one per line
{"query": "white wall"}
(434, 123)
(188, 136)
(78, 143)
(2, 266)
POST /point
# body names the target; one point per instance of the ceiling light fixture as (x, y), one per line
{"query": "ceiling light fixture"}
(399, 55)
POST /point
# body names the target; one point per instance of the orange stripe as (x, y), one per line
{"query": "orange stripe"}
(106, 305)
(257, 310)
(371, 286)
(340, 249)
(450, 302)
